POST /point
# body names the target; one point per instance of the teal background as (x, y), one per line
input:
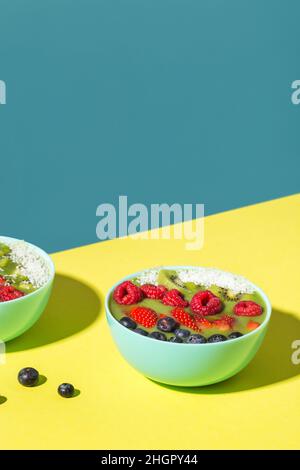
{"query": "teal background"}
(162, 100)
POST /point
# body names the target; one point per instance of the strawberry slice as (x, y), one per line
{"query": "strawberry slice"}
(224, 323)
(252, 325)
(203, 323)
(184, 318)
(144, 316)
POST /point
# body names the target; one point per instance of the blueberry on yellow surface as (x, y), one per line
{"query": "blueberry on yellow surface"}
(28, 377)
(66, 390)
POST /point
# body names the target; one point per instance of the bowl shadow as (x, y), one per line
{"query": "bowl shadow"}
(271, 364)
(72, 307)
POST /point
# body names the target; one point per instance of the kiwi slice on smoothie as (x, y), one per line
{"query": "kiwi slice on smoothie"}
(230, 295)
(171, 280)
(4, 261)
(4, 249)
(26, 287)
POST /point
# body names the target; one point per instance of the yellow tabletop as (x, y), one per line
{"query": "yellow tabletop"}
(118, 407)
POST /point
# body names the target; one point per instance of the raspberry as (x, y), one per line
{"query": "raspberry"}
(224, 323)
(9, 293)
(247, 308)
(252, 325)
(153, 292)
(206, 303)
(127, 293)
(144, 316)
(203, 323)
(184, 318)
(2, 280)
(174, 298)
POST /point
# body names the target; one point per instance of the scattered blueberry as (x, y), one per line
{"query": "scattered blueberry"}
(167, 324)
(235, 334)
(175, 339)
(28, 377)
(158, 335)
(66, 390)
(182, 333)
(142, 332)
(196, 339)
(128, 323)
(216, 338)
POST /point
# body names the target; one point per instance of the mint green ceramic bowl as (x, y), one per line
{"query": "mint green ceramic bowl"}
(186, 365)
(17, 316)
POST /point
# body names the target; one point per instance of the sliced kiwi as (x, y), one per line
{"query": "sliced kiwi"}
(3, 261)
(25, 287)
(4, 249)
(20, 278)
(192, 287)
(228, 294)
(171, 280)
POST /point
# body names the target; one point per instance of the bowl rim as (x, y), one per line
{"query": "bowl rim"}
(48, 260)
(241, 338)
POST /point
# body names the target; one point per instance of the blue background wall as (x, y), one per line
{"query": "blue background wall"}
(162, 100)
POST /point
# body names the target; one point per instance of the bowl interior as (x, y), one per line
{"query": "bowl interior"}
(44, 256)
(146, 338)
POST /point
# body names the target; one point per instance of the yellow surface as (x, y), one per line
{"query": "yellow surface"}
(117, 407)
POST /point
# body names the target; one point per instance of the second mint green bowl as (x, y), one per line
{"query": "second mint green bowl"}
(17, 316)
(186, 365)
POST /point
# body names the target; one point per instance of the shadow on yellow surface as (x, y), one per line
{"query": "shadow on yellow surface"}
(73, 306)
(271, 364)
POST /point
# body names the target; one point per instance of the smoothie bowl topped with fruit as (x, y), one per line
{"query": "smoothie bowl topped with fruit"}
(26, 278)
(187, 325)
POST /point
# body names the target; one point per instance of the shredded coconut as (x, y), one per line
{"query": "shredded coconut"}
(29, 261)
(148, 277)
(203, 276)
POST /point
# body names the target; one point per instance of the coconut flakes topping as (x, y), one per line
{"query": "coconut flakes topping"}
(148, 277)
(205, 277)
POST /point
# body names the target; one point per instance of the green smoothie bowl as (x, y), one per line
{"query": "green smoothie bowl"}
(26, 279)
(186, 325)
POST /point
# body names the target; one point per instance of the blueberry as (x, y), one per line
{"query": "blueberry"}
(196, 339)
(175, 339)
(216, 338)
(181, 333)
(28, 377)
(158, 335)
(142, 332)
(128, 323)
(167, 324)
(235, 334)
(66, 390)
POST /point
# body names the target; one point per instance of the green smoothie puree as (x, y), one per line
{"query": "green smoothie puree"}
(196, 305)
(22, 270)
